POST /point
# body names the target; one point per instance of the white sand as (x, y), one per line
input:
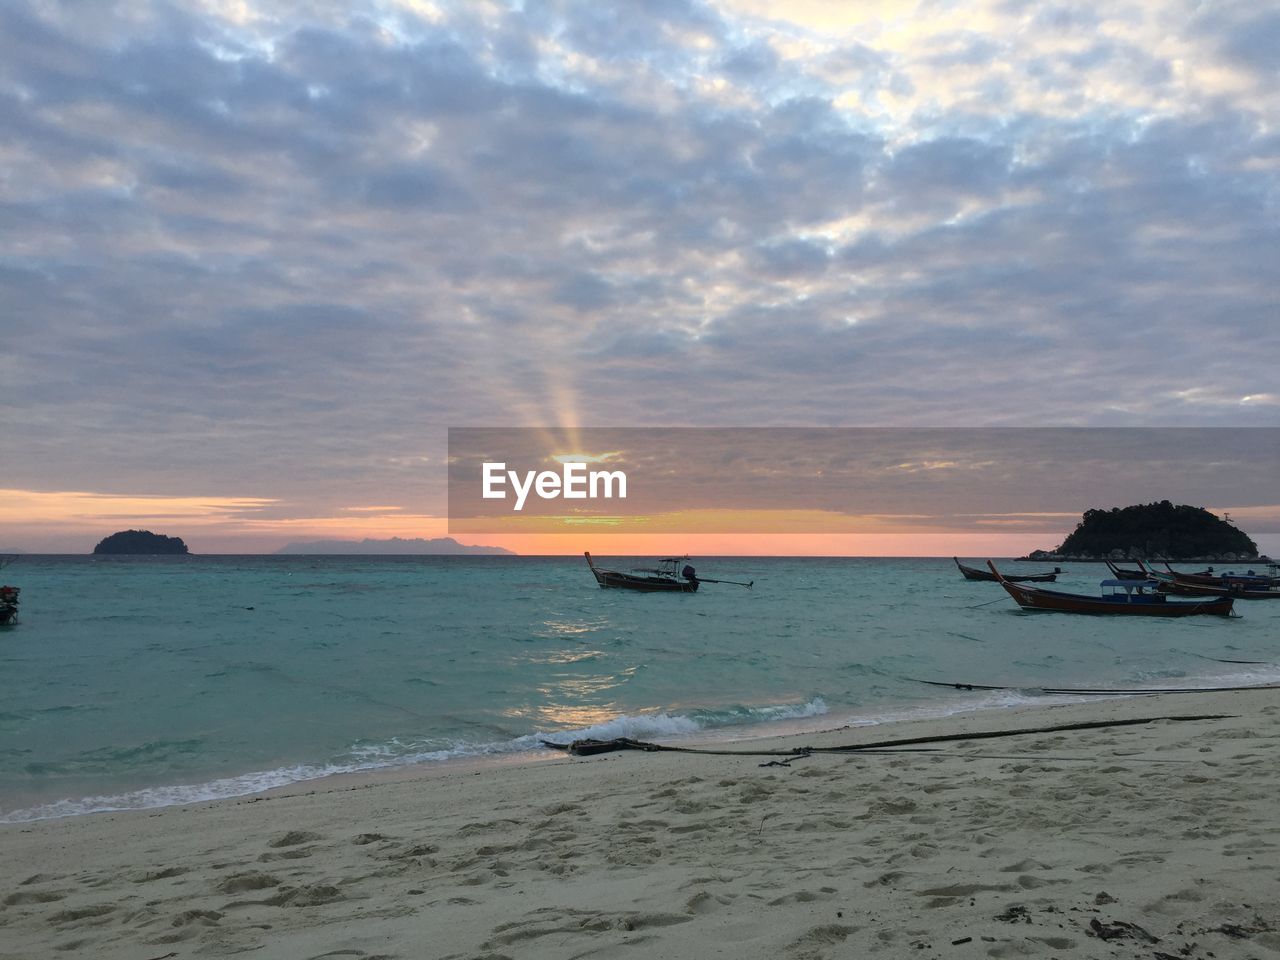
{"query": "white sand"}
(1020, 844)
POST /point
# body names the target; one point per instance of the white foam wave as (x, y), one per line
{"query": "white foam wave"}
(400, 753)
(816, 707)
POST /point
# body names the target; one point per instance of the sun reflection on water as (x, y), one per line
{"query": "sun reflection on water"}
(569, 701)
(571, 628)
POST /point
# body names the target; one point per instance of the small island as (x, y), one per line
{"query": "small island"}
(1152, 530)
(140, 542)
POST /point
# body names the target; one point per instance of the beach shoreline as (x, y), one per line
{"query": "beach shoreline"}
(888, 716)
(1136, 839)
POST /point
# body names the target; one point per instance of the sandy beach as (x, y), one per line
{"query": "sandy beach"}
(1152, 840)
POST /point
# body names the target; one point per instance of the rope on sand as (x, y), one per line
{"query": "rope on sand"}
(1092, 691)
(589, 747)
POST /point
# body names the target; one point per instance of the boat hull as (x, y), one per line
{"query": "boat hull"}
(626, 581)
(8, 605)
(1235, 590)
(1229, 580)
(972, 574)
(623, 581)
(1146, 605)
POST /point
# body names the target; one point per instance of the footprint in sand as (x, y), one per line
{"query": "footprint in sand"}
(147, 876)
(886, 879)
(70, 945)
(555, 809)
(691, 828)
(241, 882)
(293, 838)
(548, 921)
(417, 850)
(471, 829)
(1025, 866)
(801, 896)
(297, 853)
(92, 913)
(1056, 943)
(23, 897)
(827, 935)
(312, 895)
(892, 807)
(188, 924)
(1175, 904)
(689, 807)
(704, 903)
(963, 889)
(1028, 882)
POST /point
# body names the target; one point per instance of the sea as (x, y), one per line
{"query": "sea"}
(137, 682)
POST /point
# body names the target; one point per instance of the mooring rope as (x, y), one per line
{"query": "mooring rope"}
(588, 747)
(1090, 691)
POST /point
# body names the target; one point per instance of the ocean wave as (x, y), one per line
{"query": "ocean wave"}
(402, 752)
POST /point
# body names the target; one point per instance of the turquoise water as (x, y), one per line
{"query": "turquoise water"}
(135, 682)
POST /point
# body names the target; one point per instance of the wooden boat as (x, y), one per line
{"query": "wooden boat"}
(1241, 591)
(8, 598)
(1128, 598)
(668, 577)
(1120, 573)
(1237, 590)
(1208, 578)
(971, 573)
(8, 605)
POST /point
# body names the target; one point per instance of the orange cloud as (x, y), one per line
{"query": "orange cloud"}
(751, 521)
(776, 544)
(81, 508)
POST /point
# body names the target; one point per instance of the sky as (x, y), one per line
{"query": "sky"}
(257, 258)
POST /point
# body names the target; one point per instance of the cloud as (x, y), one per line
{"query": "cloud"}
(1247, 35)
(796, 479)
(66, 507)
(273, 250)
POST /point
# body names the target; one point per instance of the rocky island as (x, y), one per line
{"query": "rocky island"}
(140, 542)
(1153, 530)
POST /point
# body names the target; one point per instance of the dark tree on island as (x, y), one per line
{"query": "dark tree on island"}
(140, 542)
(1156, 530)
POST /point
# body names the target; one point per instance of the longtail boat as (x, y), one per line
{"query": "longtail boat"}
(667, 577)
(1127, 598)
(1207, 578)
(1240, 589)
(672, 575)
(8, 605)
(1120, 573)
(8, 597)
(972, 573)
(1237, 590)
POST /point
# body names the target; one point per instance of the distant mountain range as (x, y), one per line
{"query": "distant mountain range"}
(395, 545)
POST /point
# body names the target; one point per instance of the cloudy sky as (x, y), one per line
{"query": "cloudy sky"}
(257, 257)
